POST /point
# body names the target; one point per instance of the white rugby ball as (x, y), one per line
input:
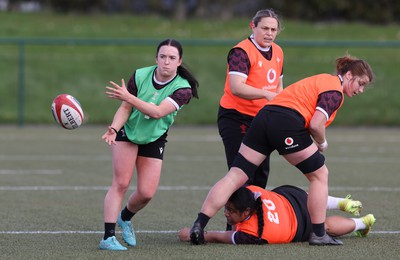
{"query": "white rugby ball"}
(67, 111)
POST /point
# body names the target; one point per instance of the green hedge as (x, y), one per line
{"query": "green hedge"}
(372, 11)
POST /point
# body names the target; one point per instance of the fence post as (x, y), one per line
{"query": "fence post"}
(21, 82)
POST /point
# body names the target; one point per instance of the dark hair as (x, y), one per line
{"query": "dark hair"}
(357, 67)
(266, 13)
(243, 199)
(182, 70)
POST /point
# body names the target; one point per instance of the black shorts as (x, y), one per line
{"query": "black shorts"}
(233, 126)
(152, 150)
(277, 128)
(298, 199)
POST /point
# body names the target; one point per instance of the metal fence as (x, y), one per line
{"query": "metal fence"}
(23, 43)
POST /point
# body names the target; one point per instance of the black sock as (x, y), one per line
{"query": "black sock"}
(319, 229)
(109, 230)
(126, 214)
(202, 219)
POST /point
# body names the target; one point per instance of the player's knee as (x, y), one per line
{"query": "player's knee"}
(312, 163)
(247, 167)
(120, 186)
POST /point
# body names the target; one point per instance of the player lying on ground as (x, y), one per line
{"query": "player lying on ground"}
(284, 217)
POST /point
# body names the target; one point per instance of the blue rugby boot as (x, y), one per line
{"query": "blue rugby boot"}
(111, 243)
(128, 233)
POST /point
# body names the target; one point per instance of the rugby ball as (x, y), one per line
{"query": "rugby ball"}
(67, 111)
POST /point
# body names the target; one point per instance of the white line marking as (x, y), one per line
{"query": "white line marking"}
(177, 188)
(391, 136)
(28, 172)
(84, 232)
(136, 231)
(180, 158)
(48, 157)
(89, 188)
(386, 232)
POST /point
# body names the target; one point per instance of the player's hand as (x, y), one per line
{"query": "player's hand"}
(109, 136)
(117, 91)
(184, 234)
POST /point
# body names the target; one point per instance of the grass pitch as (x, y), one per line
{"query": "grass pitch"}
(53, 183)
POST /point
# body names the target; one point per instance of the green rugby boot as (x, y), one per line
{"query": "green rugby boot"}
(351, 206)
(369, 221)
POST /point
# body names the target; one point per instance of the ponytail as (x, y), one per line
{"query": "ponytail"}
(186, 74)
(260, 215)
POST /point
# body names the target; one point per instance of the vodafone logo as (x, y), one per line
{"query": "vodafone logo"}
(271, 76)
(289, 141)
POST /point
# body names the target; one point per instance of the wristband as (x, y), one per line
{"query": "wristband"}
(323, 145)
(115, 130)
